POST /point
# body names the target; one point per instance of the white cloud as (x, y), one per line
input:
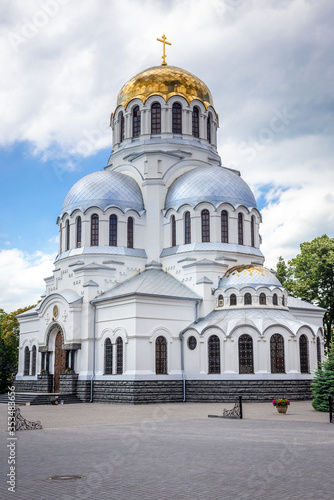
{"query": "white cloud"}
(21, 277)
(268, 65)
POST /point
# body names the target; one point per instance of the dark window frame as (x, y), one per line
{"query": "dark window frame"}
(214, 354)
(205, 225)
(173, 230)
(275, 299)
(195, 121)
(156, 118)
(94, 230)
(113, 230)
(224, 226)
(136, 122)
(119, 356)
(161, 355)
(130, 228)
(208, 128)
(177, 118)
(108, 357)
(67, 229)
(304, 354)
(247, 299)
(233, 299)
(26, 367)
(277, 353)
(78, 235)
(263, 299)
(240, 229)
(246, 354)
(187, 228)
(253, 231)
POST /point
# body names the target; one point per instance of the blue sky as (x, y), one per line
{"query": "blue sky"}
(269, 66)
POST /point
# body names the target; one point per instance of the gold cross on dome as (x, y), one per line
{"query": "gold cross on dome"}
(163, 40)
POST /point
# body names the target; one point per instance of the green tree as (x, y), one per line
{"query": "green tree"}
(310, 276)
(9, 342)
(323, 383)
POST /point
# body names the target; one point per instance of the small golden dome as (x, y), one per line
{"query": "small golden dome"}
(165, 81)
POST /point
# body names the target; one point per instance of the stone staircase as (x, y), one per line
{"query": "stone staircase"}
(38, 398)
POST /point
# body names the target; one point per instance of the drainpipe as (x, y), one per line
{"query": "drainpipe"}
(182, 365)
(93, 374)
(182, 351)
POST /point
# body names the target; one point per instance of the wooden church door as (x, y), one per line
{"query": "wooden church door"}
(59, 362)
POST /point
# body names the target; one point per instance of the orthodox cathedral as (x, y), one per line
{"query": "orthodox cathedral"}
(159, 291)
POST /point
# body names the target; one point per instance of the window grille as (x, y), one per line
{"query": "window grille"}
(94, 230)
(246, 354)
(136, 122)
(161, 356)
(205, 220)
(214, 354)
(303, 353)
(277, 353)
(177, 118)
(130, 233)
(156, 118)
(119, 355)
(195, 122)
(113, 230)
(224, 226)
(108, 357)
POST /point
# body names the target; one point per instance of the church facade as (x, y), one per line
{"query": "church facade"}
(159, 291)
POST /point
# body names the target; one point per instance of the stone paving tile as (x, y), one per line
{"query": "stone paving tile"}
(186, 458)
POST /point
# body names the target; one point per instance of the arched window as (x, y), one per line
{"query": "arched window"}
(220, 301)
(224, 226)
(173, 229)
(275, 299)
(187, 228)
(119, 355)
(60, 238)
(253, 231)
(283, 301)
(263, 299)
(233, 299)
(26, 361)
(33, 361)
(130, 232)
(205, 220)
(214, 354)
(177, 118)
(94, 230)
(319, 352)
(113, 230)
(240, 229)
(303, 354)
(247, 299)
(136, 122)
(67, 226)
(246, 364)
(277, 353)
(78, 232)
(108, 357)
(208, 128)
(161, 356)
(156, 118)
(121, 127)
(195, 121)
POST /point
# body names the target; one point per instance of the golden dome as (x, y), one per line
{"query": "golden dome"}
(165, 81)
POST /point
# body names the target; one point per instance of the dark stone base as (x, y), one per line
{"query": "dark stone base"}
(32, 386)
(217, 391)
(199, 391)
(68, 383)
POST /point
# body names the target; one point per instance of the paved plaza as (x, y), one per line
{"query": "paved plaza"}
(171, 451)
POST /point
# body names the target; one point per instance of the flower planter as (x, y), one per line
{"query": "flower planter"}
(282, 408)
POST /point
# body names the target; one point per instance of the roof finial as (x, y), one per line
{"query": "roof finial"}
(164, 38)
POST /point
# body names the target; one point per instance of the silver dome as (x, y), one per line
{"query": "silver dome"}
(103, 189)
(212, 184)
(249, 275)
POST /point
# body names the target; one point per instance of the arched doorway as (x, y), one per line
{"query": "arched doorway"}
(59, 361)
